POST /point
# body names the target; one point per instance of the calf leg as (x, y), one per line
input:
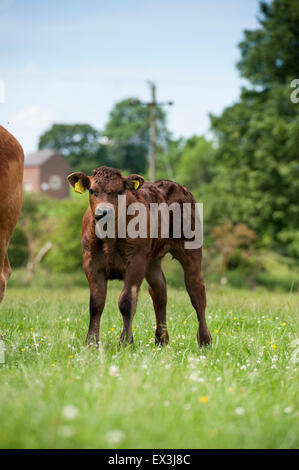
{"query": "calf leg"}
(157, 289)
(128, 298)
(191, 264)
(197, 293)
(98, 288)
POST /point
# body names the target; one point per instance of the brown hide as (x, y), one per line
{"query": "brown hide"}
(11, 178)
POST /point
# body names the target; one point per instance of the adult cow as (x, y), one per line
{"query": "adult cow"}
(133, 259)
(11, 178)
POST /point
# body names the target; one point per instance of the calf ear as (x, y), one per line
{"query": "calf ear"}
(134, 182)
(79, 181)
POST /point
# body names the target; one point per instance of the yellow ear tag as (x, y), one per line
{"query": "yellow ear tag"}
(136, 184)
(79, 188)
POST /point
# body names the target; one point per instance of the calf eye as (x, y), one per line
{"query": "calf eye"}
(91, 191)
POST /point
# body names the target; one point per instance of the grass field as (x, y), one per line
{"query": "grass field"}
(242, 392)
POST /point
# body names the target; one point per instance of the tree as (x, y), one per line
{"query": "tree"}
(197, 163)
(168, 160)
(258, 138)
(128, 134)
(270, 55)
(78, 143)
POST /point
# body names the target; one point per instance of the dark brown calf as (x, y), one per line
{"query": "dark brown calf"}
(11, 177)
(133, 259)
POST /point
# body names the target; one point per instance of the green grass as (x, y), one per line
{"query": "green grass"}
(242, 392)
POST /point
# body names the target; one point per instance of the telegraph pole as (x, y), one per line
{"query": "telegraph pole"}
(153, 134)
(153, 128)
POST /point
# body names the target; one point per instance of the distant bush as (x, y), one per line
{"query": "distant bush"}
(18, 251)
(231, 243)
(66, 253)
(47, 279)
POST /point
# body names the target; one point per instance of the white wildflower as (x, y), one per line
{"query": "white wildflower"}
(113, 371)
(69, 412)
(115, 436)
(193, 377)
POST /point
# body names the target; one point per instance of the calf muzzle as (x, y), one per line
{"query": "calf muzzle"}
(103, 211)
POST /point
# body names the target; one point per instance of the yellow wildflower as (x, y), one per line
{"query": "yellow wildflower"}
(203, 399)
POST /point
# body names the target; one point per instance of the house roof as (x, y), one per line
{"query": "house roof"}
(39, 158)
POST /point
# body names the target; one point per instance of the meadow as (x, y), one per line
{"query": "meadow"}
(241, 392)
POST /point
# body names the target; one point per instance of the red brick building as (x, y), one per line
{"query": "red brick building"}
(46, 171)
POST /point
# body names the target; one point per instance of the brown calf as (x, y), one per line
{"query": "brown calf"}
(133, 259)
(11, 178)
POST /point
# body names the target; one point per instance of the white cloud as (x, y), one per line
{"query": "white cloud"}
(27, 124)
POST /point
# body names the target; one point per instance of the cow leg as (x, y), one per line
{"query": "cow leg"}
(5, 269)
(191, 264)
(2, 283)
(127, 301)
(157, 289)
(98, 289)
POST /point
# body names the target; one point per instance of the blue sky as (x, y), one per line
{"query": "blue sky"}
(71, 60)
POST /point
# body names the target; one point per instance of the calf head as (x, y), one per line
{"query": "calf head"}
(104, 186)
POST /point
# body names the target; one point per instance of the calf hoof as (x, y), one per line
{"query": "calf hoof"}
(92, 340)
(204, 338)
(162, 339)
(125, 340)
